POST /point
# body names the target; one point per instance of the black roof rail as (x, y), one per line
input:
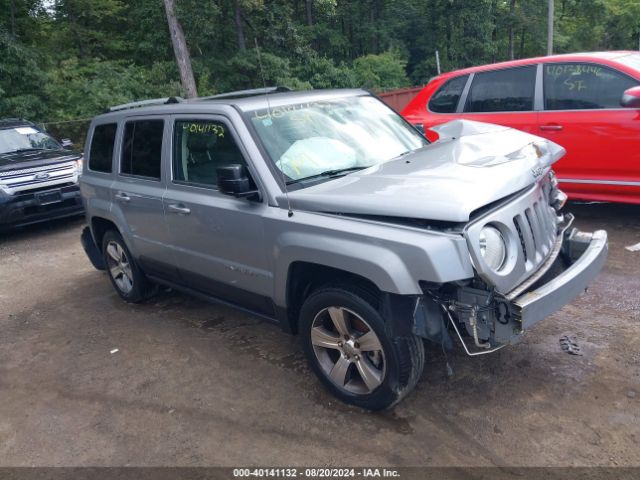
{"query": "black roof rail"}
(146, 103)
(244, 93)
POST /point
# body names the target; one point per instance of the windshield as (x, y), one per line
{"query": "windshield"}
(335, 136)
(26, 138)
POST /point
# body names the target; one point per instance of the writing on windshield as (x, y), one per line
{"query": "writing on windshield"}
(304, 140)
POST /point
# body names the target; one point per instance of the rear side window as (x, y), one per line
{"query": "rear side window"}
(509, 90)
(142, 148)
(200, 147)
(579, 86)
(445, 100)
(101, 150)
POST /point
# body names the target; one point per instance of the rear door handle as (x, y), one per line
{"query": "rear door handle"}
(123, 197)
(178, 208)
(551, 127)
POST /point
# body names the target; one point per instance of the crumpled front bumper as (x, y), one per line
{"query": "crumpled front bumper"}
(587, 253)
(492, 321)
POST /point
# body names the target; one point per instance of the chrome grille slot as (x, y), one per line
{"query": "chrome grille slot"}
(526, 239)
(23, 180)
(534, 226)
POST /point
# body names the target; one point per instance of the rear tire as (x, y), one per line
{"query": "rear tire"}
(125, 275)
(349, 348)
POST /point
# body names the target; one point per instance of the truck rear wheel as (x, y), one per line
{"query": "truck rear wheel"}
(349, 348)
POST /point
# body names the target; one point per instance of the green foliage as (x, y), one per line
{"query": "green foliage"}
(22, 80)
(79, 89)
(322, 72)
(69, 59)
(381, 72)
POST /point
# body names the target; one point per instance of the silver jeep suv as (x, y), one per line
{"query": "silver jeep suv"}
(327, 213)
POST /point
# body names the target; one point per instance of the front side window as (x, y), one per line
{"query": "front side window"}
(142, 148)
(199, 148)
(322, 139)
(26, 138)
(101, 150)
(579, 86)
(509, 90)
(445, 100)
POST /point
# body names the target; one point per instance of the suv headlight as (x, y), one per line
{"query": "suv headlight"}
(493, 247)
(79, 164)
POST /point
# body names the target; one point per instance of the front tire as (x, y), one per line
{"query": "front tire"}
(352, 353)
(125, 275)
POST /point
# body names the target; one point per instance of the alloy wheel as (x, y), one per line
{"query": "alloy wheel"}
(119, 267)
(348, 350)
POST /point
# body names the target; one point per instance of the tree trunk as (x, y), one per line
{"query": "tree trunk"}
(494, 31)
(183, 59)
(309, 6)
(239, 27)
(512, 9)
(13, 18)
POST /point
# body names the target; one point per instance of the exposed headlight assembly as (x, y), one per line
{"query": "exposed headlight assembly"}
(493, 247)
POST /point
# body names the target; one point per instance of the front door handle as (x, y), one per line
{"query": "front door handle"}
(178, 208)
(123, 197)
(553, 127)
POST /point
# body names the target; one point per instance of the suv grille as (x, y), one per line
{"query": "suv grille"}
(537, 229)
(529, 225)
(18, 181)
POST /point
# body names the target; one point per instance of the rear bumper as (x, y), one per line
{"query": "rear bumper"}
(587, 253)
(27, 208)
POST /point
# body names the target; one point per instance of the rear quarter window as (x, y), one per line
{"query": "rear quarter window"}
(101, 149)
(508, 90)
(446, 99)
(142, 148)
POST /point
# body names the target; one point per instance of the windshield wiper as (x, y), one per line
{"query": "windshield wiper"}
(329, 173)
(22, 150)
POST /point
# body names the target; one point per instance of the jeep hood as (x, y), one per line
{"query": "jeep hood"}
(471, 165)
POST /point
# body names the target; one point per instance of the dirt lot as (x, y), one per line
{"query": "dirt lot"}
(199, 384)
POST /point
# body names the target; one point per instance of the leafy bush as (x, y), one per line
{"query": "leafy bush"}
(381, 72)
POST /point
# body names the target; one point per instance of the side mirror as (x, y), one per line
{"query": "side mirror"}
(631, 98)
(66, 142)
(234, 180)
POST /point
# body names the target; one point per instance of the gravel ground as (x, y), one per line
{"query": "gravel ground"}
(198, 384)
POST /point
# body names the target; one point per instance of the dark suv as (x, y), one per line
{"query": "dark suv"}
(38, 175)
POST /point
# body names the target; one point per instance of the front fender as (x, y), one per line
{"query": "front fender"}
(394, 258)
(376, 263)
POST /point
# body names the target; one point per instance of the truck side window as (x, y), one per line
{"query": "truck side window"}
(578, 86)
(508, 90)
(199, 148)
(142, 148)
(445, 100)
(101, 150)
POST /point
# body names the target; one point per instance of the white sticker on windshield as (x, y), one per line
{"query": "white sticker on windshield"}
(26, 130)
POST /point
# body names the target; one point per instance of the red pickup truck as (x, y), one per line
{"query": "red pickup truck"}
(587, 102)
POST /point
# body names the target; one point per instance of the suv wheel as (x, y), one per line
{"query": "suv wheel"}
(348, 347)
(126, 277)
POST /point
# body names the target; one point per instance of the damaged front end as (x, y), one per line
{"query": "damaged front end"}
(546, 264)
